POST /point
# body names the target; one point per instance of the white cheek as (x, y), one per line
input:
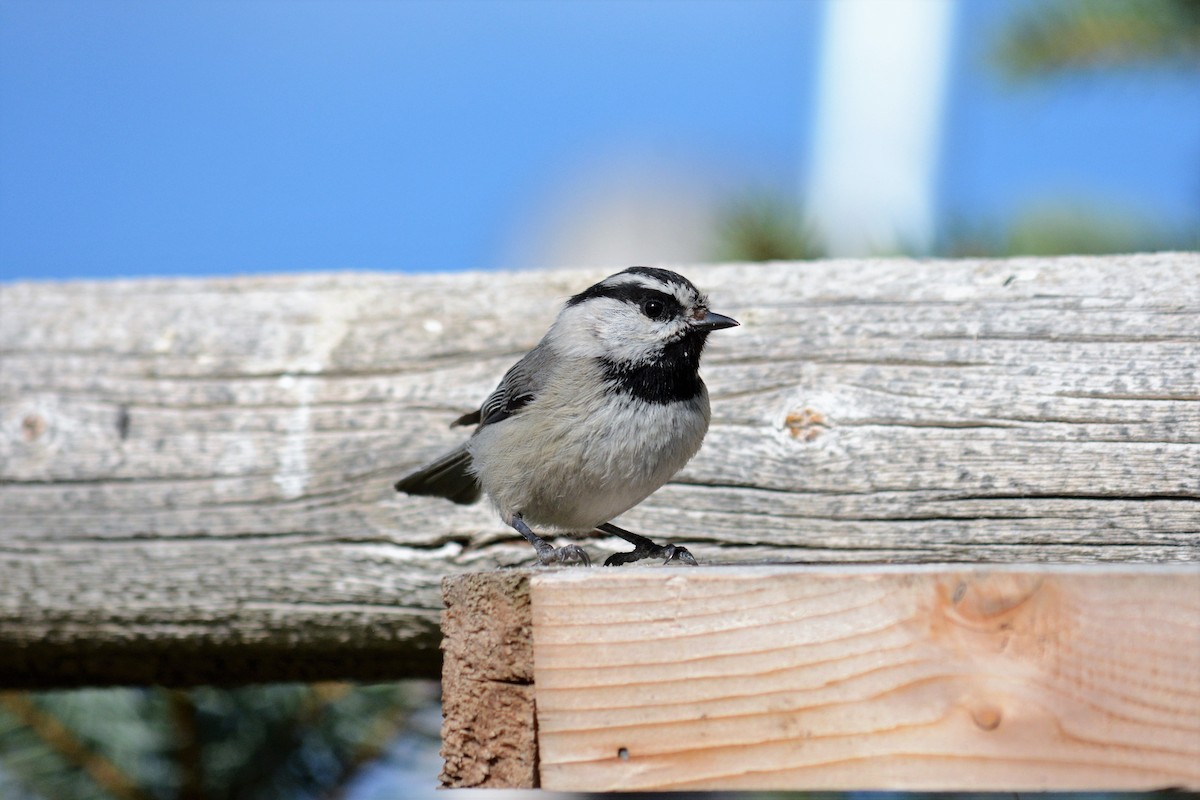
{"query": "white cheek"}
(612, 329)
(605, 328)
(574, 334)
(629, 344)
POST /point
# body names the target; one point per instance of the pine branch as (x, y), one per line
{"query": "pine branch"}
(61, 740)
(182, 712)
(1051, 38)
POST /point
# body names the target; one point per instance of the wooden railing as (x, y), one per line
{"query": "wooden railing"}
(195, 475)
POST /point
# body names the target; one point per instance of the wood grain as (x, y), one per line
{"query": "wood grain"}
(868, 678)
(195, 475)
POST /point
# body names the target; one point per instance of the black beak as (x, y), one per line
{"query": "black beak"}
(713, 322)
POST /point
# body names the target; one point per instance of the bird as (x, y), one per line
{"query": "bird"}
(604, 410)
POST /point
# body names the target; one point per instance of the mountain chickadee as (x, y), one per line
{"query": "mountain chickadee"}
(602, 412)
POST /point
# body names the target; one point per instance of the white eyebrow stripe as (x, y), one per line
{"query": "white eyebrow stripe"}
(627, 278)
(679, 292)
(682, 293)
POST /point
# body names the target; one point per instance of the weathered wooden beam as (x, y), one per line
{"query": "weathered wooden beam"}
(899, 678)
(195, 475)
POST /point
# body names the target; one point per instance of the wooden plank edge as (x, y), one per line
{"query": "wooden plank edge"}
(489, 727)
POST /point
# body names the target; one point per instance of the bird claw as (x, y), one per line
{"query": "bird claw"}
(680, 554)
(566, 554)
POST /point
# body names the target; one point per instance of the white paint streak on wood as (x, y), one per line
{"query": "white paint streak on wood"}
(292, 477)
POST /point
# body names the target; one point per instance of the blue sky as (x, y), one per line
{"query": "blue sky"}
(1127, 142)
(246, 137)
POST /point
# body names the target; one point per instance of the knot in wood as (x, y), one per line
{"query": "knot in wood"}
(805, 423)
(987, 717)
(33, 426)
(991, 602)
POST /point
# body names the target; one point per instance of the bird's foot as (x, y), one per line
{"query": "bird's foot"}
(644, 548)
(668, 553)
(567, 554)
(546, 553)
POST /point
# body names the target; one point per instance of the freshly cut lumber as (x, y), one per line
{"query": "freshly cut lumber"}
(907, 678)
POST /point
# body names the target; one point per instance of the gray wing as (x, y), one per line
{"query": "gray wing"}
(449, 476)
(516, 390)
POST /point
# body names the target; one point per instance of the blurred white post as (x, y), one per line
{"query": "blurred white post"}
(879, 107)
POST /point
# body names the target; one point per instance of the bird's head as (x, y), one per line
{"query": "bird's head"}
(637, 317)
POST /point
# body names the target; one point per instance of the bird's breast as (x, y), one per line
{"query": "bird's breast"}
(575, 462)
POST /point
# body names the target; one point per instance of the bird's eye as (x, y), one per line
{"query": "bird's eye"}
(653, 309)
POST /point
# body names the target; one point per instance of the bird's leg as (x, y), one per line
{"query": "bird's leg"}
(644, 548)
(547, 554)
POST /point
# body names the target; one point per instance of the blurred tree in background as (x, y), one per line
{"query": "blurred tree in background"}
(1059, 230)
(1052, 38)
(278, 741)
(764, 227)
(1046, 40)
(1043, 41)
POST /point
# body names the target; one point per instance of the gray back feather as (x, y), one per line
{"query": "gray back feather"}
(523, 381)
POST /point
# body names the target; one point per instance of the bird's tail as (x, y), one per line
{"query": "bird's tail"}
(449, 476)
